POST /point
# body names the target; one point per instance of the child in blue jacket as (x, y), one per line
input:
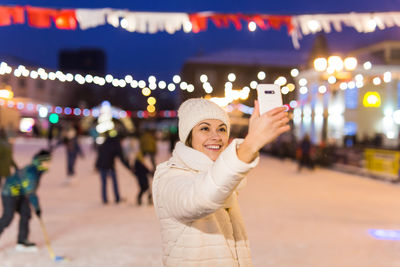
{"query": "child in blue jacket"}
(19, 192)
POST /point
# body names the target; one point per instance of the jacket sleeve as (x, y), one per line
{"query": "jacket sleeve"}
(188, 197)
(29, 187)
(34, 200)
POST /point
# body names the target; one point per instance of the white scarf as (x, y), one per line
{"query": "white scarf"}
(198, 161)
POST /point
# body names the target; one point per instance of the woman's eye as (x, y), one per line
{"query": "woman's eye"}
(204, 128)
(222, 130)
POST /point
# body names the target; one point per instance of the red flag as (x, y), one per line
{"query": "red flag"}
(5, 19)
(10, 15)
(17, 14)
(235, 19)
(276, 22)
(66, 19)
(40, 17)
(260, 22)
(199, 22)
(222, 20)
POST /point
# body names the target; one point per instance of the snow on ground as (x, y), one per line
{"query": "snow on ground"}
(318, 218)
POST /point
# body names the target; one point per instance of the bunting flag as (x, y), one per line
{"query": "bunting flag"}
(11, 15)
(146, 22)
(43, 17)
(91, 18)
(152, 22)
(361, 22)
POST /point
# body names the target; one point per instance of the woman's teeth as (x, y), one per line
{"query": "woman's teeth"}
(214, 147)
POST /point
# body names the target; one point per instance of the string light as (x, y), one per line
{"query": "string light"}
(22, 71)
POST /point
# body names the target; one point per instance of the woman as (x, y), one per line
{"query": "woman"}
(194, 192)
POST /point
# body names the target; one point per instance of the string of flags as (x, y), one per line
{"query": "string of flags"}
(171, 22)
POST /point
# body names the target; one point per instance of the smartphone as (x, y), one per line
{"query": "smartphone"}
(269, 97)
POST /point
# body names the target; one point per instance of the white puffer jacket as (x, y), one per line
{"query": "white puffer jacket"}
(196, 203)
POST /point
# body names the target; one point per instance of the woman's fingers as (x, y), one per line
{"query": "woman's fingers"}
(283, 129)
(277, 110)
(256, 110)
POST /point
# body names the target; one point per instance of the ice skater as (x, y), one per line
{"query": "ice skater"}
(195, 190)
(105, 163)
(141, 171)
(305, 154)
(18, 193)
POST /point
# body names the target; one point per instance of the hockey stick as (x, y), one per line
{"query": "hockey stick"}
(53, 256)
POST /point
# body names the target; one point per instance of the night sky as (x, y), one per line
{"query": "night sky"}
(163, 54)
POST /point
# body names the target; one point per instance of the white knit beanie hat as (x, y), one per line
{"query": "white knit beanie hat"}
(194, 110)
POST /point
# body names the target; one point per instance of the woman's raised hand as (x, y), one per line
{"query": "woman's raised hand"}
(263, 129)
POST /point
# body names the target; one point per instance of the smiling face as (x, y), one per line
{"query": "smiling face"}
(210, 137)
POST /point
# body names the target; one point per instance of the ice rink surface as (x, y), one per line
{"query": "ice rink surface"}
(313, 218)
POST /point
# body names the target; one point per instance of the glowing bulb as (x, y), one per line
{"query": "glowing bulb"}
(162, 84)
(331, 79)
(281, 81)
(89, 78)
(151, 108)
(124, 23)
(303, 82)
(34, 74)
(228, 85)
(153, 86)
(183, 85)
(52, 76)
(294, 72)
(261, 75)
(320, 64)
(359, 77)
(336, 62)
(231, 77)
(151, 101)
(152, 79)
(291, 87)
(350, 63)
(128, 78)
(109, 78)
(303, 90)
(203, 78)
(285, 90)
(134, 84)
(253, 84)
(322, 89)
(146, 91)
(190, 88)
(252, 26)
(176, 79)
(367, 65)
(171, 87)
(115, 83)
(376, 81)
(387, 77)
(142, 84)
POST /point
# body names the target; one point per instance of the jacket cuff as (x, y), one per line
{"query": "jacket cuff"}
(230, 157)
